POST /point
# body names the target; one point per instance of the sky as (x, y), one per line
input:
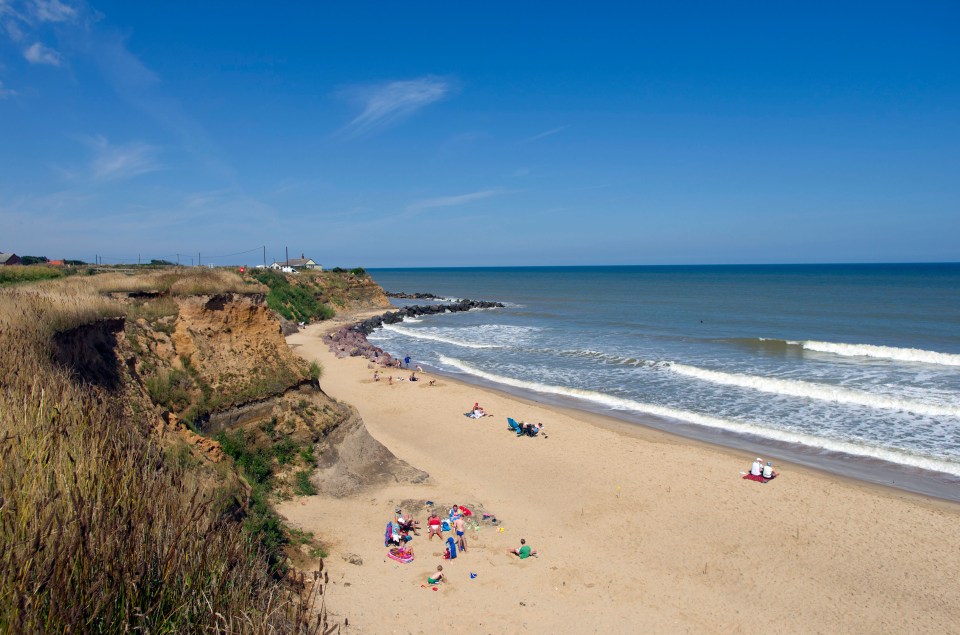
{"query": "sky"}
(417, 134)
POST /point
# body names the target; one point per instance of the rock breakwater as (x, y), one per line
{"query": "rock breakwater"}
(351, 341)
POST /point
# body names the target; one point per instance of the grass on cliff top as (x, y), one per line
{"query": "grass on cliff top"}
(294, 301)
(99, 530)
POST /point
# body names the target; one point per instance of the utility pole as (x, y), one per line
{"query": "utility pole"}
(199, 264)
(264, 255)
(178, 260)
(138, 260)
(288, 255)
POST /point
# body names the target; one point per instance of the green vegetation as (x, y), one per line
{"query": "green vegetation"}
(34, 260)
(316, 371)
(170, 389)
(295, 302)
(256, 461)
(17, 274)
(302, 485)
(102, 529)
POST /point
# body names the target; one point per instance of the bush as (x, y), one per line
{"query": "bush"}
(302, 485)
(316, 371)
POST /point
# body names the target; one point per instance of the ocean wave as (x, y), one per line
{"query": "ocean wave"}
(820, 392)
(600, 356)
(424, 334)
(881, 352)
(892, 455)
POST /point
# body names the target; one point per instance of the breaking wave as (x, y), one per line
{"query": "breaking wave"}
(821, 392)
(618, 403)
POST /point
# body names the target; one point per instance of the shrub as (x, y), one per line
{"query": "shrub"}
(302, 485)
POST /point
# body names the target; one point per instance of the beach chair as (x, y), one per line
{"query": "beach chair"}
(516, 427)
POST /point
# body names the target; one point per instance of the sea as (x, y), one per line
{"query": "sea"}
(850, 368)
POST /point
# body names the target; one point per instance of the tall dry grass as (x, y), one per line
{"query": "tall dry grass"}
(98, 532)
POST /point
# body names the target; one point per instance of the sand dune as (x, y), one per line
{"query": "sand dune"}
(638, 531)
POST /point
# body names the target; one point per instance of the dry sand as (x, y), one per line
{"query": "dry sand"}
(637, 531)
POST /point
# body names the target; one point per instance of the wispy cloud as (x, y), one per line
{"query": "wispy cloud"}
(452, 201)
(116, 162)
(6, 92)
(38, 53)
(52, 11)
(386, 103)
(543, 134)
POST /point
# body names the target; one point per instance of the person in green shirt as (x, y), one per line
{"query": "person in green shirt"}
(524, 550)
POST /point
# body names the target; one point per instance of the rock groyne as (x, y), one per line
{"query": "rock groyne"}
(351, 341)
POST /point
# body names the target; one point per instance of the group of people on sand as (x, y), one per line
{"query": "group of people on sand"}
(523, 552)
(396, 364)
(405, 527)
(757, 468)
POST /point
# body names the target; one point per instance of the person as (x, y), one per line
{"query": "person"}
(437, 577)
(390, 380)
(419, 370)
(435, 526)
(406, 524)
(376, 376)
(756, 468)
(454, 512)
(433, 382)
(532, 430)
(460, 528)
(413, 376)
(524, 550)
(768, 470)
(406, 362)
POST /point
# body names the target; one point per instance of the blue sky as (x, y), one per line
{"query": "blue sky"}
(432, 134)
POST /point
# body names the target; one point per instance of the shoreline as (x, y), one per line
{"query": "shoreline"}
(637, 529)
(862, 468)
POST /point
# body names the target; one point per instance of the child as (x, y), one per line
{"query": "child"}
(437, 577)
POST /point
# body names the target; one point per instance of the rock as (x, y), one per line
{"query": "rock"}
(353, 558)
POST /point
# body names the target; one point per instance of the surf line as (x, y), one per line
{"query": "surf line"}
(852, 447)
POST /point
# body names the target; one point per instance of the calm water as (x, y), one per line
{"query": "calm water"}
(855, 368)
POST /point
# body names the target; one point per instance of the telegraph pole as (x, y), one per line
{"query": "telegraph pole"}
(288, 255)
(264, 255)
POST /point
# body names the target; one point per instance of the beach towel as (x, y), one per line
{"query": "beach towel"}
(759, 479)
(466, 512)
(400, 555)
(452, 547)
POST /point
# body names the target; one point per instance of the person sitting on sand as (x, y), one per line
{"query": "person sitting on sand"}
(532, 430)
(768, 471)
(435, 526)
(756, 468)
(523, 550)
(406, 524)
(437, 577)
(413, 376)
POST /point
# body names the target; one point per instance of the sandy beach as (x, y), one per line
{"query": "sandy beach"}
(637, 531)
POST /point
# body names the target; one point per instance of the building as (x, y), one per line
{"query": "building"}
(298, 263)
(9, 259)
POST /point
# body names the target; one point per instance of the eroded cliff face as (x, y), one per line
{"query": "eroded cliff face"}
(350, 292)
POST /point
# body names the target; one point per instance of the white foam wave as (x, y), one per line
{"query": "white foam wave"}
(424, 334)
(892, 455)
(821, 392)
(881, 352)
(411, 320)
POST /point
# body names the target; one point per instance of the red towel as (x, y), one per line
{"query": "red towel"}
(759, 479)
